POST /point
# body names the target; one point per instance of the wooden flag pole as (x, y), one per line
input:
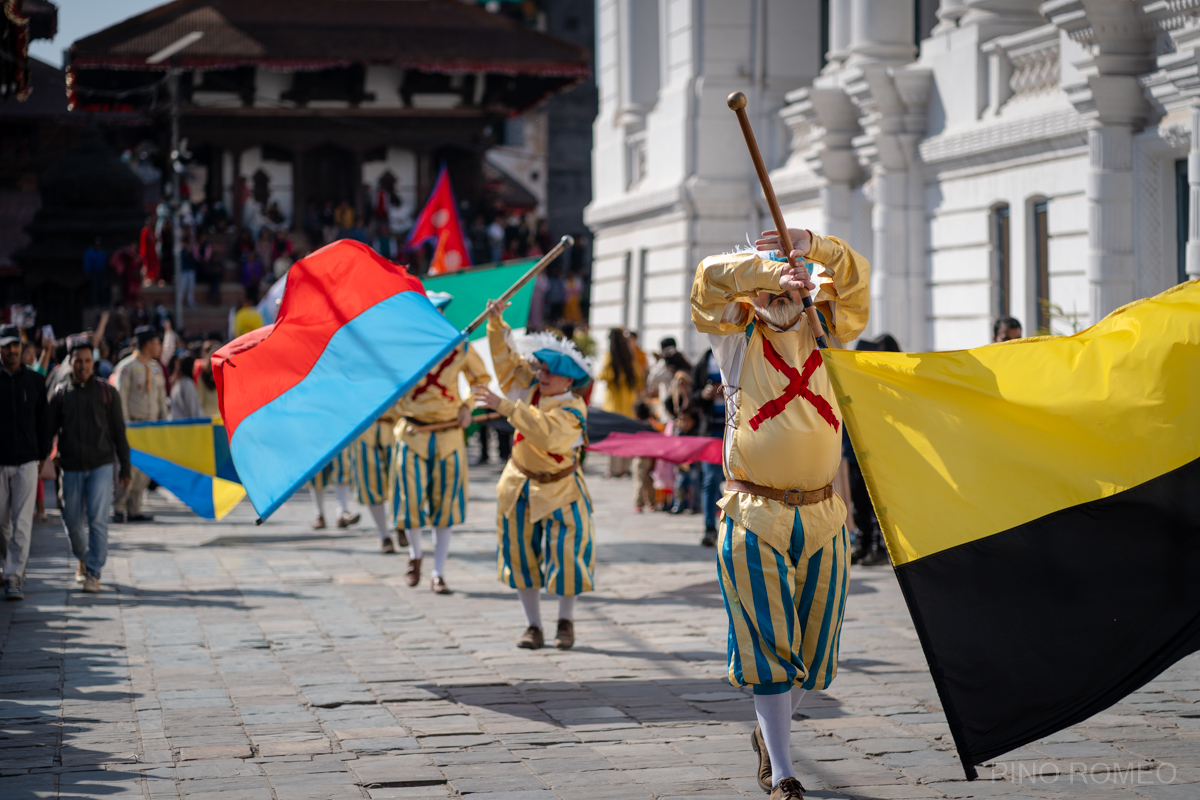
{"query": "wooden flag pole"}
(737, 102)
(532, 273)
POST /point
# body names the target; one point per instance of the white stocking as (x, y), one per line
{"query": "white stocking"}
(775, 718)
(566, 606)
(797, 696)
(532, 605)
(341, 491)
(441, 549)
(414, 542)
(380, 516)
(318, 498)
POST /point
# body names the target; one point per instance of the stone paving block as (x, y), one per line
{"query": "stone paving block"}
(215, 751)
(388, 771)
(303, 767)
(292, 748)
(875, 747)
(409, 793)
(215, 768)
(509, 794)
(488, 754)
(380, 744)
(334, 696)
(456, 741)
(571, 764)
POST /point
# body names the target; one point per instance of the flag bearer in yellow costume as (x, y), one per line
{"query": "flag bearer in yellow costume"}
(429, 468)
(544, 519)
(783, 554)
(372, 456)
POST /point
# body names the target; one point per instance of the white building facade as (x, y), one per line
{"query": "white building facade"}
(990, 157)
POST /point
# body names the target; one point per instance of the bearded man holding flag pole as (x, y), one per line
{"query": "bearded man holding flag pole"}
(782, 551)
(782, 548)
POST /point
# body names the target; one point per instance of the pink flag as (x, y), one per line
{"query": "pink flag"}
(676, 449)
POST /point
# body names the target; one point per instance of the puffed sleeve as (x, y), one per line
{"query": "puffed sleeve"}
(845, 303)
(474, 369)
(512, 371)
(726, 279)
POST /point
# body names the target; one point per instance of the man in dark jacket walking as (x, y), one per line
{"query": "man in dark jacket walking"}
(86, 414)
(24, 445)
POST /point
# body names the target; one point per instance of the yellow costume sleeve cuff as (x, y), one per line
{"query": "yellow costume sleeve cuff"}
(823, 250)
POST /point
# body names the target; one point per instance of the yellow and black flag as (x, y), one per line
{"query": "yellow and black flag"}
(1040, 500)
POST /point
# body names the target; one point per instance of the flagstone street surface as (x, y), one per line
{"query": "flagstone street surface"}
(226, 661)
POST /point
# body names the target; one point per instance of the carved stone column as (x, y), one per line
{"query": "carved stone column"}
(839, 36)
(1109, 94)
(824, 122)
(998, 17)
(949, 13)
(893, 103)
(1110, 217)
(881, 31)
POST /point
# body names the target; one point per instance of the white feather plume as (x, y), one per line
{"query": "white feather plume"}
(530, 343)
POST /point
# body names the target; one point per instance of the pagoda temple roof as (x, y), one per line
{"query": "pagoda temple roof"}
(438, 36)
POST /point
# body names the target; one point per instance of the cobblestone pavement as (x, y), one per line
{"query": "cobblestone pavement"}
(233, 662)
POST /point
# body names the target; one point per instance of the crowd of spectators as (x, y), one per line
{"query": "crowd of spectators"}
(674, 397)
(63, 410)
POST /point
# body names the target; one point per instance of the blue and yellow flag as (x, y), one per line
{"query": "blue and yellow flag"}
(190, 457)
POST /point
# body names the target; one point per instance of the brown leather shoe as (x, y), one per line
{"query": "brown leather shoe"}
(80, 572)
(764, 759)
(413, 576)
(319, 524)
(788, 789)
(564, 637)
(386, 547)
(438, 585)
(532, 639)
(401, 537)
(348, 519)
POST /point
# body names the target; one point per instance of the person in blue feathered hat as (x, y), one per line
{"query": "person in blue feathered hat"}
(544, 521)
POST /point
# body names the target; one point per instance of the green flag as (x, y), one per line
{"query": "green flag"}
(473, 287)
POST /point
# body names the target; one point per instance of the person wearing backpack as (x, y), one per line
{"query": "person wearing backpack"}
(85, 414)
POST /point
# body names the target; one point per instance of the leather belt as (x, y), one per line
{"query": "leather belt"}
(545, 477)
(420, 422)
(791, 497)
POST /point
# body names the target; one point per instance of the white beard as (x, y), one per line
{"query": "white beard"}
(780, 316)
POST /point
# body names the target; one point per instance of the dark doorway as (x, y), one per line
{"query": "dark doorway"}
(330, 175)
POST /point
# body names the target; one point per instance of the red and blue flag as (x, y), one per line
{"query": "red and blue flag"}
(353, 334)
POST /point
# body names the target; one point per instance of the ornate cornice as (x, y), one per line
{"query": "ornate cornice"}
(1002, 141)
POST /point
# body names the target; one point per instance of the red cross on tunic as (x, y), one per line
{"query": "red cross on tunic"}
(433, 379)
(533, 401)
(797, 386)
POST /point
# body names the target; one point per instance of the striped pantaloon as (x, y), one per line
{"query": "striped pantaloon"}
(427, 490)
(785, 612)
(557, 552)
